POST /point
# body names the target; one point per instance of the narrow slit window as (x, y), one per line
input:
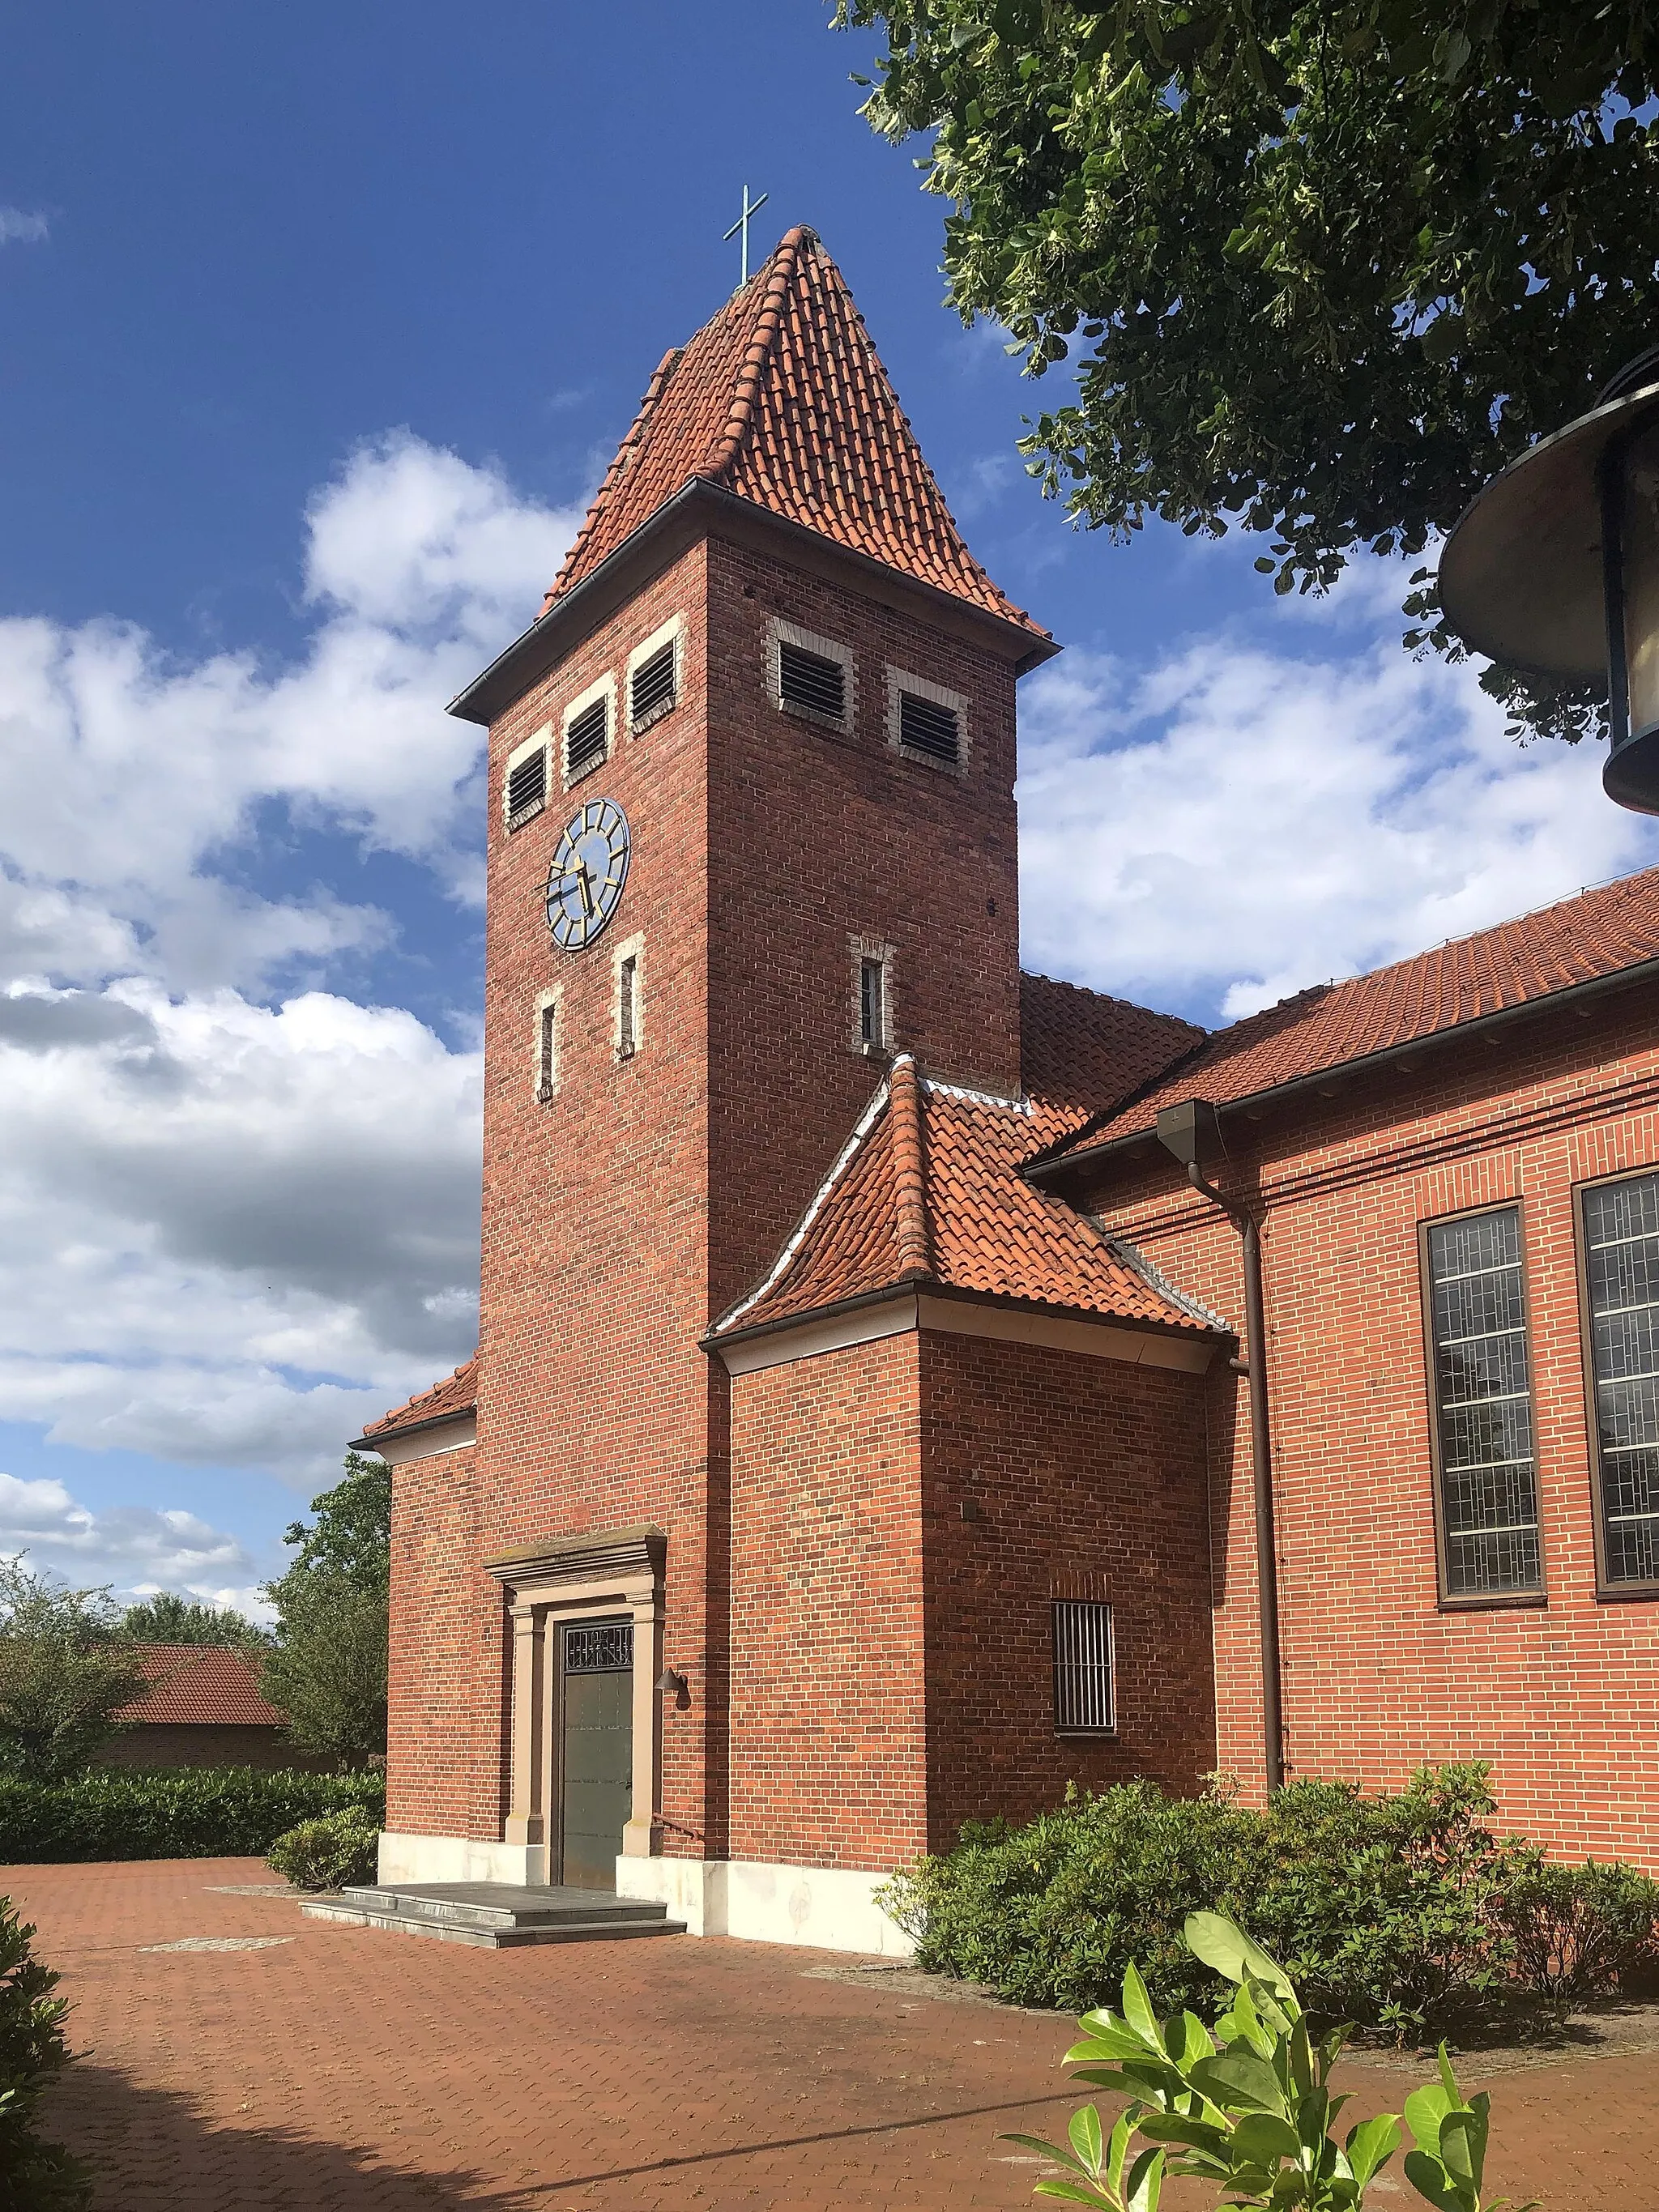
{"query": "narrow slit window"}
(1483, 1406)
(547, 1051)
(627, 1030)
(1084, 1703)
(929, 727)
(1621, 1281)
(652, 689)
(812, 681)
(872, 1002)
(585, 738)
(526, 788)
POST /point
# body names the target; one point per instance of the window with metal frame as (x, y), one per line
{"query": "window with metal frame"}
(1084, 1687)
(650, 688)
(1621, 1296)
(927, 726)
(526, 788)
(872, 1002)
(1482, 1391)
(585, 740)
(812, 681)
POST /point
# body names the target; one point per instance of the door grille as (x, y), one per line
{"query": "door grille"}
(606, 1649)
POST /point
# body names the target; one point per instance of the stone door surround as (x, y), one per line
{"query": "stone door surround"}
(616, 1574)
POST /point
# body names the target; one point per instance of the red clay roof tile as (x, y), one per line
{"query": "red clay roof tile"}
(780, 399)
(456, 1395)
(1598, 933)
(199, 1685)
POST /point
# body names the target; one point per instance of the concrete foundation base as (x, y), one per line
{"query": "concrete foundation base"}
(405, 1859)
(821, 1908)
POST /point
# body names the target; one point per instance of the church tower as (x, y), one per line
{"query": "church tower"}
(752, 841)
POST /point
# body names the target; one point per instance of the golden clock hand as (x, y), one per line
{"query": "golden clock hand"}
(586, 876)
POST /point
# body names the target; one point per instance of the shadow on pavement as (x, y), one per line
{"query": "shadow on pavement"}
(149, 2148)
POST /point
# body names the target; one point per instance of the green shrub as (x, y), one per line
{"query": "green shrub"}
(34, 2176)
(1582, 1931)
(1405, 1913)
(329, 1852)
(130, 1813)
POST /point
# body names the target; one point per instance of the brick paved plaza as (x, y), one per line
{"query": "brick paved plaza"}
(342, 2069)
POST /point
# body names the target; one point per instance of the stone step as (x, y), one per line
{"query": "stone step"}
(609, 1927)
(500, 1905)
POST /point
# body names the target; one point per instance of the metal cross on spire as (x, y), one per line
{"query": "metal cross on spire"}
(749, 208)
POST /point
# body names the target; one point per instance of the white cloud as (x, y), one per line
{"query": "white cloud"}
(136, 1548)
(17, 227)
(231, 1231)
(1238, 823)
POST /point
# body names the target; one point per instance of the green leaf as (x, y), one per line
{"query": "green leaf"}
(1138, 2006)
(1071, 2192)
(1457, 2149)
(1429, 2179)
(1220, 1944)
(1118, 2152)
(1146, 2182)
(1372, 2144)
(1085, 2137)
(1449, 2080)
(1263, 2137)
(1425, 2108)
(1239, 2077)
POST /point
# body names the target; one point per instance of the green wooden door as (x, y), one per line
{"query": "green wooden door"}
(596, 1778)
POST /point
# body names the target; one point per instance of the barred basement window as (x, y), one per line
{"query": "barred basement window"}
(1083, 1668)
(810, 680)
(651, 689)
(873, 1003)
(585, 738)
(925, 726)
(526, 788)
(1620, 1223)
(1487, 1479)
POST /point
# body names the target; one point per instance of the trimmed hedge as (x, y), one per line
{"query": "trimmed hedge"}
(177, 1813)
(1405, 1913)
(327, 1853)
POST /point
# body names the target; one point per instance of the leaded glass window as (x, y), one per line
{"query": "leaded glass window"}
(1483, 1406)
(1621, 1281)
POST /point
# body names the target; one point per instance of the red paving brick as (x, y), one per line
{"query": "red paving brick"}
(350, 2069)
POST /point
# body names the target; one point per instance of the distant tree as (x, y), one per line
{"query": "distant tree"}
(1321, 267)
(326, 1668)
(168, 1619)
(65, 1675)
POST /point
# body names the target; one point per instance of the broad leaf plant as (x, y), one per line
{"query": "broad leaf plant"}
(1248, 2106)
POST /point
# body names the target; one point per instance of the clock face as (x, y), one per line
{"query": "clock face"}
(590, 867)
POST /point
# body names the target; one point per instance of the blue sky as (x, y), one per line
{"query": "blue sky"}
(317, 327)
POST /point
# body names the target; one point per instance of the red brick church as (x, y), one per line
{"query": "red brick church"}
(908, 1385)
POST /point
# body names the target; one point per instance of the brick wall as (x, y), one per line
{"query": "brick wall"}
(828, 1745)
(1563, 1697)
(447, 1656)
(1087, 1479)
(173, 1744)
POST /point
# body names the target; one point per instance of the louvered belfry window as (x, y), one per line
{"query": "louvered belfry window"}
(1483, 1406)
(812, 680)
(526, 788)
(925, 726)
(651, 687)
(585, 738)
(1621, 1284)
(1083, 1667)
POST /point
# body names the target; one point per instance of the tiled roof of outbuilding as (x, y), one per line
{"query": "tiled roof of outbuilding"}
(1599, 934)
(201, 1686)
(781, 399)
(456, 1395)
(928, 1191)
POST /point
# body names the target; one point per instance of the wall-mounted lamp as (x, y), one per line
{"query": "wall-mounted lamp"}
(1554, 568)
(675, 1685)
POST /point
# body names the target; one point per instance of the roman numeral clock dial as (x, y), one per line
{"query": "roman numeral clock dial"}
(589, 867)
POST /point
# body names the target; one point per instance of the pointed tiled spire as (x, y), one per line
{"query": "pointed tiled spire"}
(781, 399)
